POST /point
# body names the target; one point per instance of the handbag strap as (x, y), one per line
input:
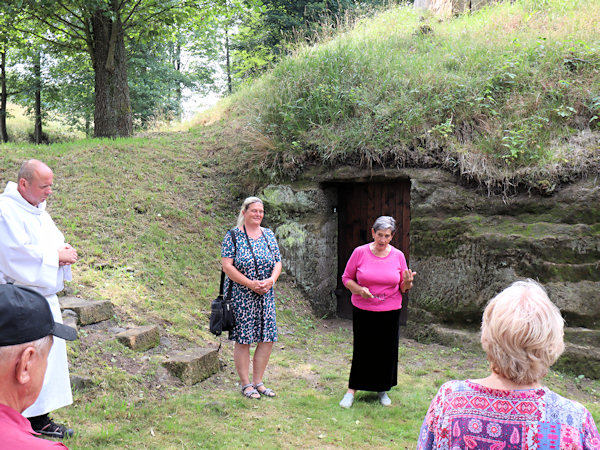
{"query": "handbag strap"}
(228, 297)
(222, 281)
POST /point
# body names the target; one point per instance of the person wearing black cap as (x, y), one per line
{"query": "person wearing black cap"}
(27, 329)
(33, 253)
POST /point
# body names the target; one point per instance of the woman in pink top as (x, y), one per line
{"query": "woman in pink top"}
(377, 276)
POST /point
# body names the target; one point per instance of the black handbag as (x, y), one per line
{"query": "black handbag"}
(221, 310)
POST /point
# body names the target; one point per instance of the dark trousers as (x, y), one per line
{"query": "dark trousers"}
(375, 355)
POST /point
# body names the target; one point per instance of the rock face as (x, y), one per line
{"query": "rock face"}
(465, 246)
(306, 230)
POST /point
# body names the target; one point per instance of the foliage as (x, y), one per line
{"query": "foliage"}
(483, 95)
(264, 37)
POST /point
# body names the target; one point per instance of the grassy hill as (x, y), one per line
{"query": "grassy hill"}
(147, 215)
(507, 96)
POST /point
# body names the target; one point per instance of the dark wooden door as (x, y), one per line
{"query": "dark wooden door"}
(359, 204)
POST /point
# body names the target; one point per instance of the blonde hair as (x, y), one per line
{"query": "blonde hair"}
(246, 203)
(522, 332)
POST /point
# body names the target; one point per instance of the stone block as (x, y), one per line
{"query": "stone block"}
(140, 338)
(71, 321)
(80, 383)
(464, 339)
(580, 360)
(193, 365)
(88, 312)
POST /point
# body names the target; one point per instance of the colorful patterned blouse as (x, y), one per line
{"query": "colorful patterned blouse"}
(466, 415)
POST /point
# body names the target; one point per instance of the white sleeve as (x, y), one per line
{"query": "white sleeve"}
(22, 260)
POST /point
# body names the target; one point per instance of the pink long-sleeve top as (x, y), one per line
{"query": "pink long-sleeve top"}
(382, 276)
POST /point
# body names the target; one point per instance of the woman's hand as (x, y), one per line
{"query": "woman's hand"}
(261, 286)
(357, 289)
(364, 292)
(407, 280)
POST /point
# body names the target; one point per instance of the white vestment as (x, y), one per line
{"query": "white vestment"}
(29, 242)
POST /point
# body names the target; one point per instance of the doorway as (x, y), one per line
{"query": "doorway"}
(359, 204)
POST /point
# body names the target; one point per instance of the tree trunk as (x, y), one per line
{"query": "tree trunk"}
(112, 113)
(3, 98)
(178, 93)
(37, 74)
(229, 86)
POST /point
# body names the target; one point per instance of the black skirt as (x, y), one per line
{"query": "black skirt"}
(375, 355)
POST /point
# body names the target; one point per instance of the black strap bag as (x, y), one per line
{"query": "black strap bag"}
(221, 310)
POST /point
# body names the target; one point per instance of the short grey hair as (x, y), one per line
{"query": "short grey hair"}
(246, 203)
(9, 352)
(28, 169)
(522, 332)
(384, 223)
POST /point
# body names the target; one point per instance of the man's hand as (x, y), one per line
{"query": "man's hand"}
(66, 255)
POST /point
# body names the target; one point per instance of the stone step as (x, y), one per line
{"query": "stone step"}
(140, 338)
(580, 360)
(193, 365)
(583, 336)
(581, 355)
(88, 312)
(69, 318)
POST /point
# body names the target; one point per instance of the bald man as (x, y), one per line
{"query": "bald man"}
(33, 253)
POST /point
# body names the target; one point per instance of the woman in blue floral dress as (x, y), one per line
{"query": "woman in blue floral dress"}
(251, 260)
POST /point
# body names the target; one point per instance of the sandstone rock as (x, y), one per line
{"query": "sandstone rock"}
(193, 365)
(140, 338)
(580, 360)
(79, 382)
(465, 245)
(88, 312)
(70, 321)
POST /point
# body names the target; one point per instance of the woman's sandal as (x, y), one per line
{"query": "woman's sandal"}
(251, 392)
(267, 392)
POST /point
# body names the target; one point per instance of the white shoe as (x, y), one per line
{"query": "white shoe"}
(347, 400)
(384, 399)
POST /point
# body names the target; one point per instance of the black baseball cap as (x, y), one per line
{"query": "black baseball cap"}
(25, 316)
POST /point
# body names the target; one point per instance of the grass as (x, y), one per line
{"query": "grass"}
(147, 216)
(19, 126)
(498, 96)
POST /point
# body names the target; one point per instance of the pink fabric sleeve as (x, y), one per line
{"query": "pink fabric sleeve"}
(351, 266)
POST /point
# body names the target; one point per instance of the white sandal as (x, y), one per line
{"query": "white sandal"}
(250, 393)
(267, 392)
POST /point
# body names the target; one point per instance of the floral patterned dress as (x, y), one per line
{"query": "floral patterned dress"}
(254, 313)
(467, 415)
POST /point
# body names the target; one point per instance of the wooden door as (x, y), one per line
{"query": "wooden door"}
(359, 204)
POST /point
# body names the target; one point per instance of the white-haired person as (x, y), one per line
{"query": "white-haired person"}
(377, 276)
(27, 329)
(251, 260)
(522, 335)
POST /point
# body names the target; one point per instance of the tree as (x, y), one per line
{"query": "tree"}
(9, 39)
(100, 28)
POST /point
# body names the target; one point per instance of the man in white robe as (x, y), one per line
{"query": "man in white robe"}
(33, 253)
